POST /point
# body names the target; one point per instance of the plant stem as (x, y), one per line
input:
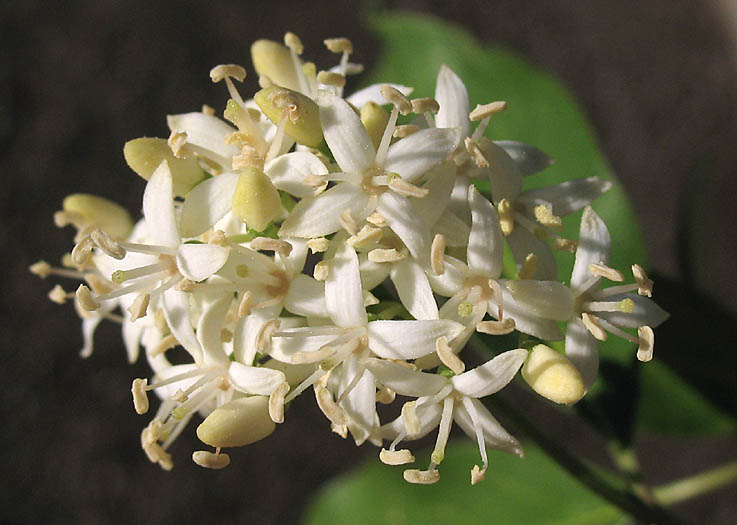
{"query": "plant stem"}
(686, 488)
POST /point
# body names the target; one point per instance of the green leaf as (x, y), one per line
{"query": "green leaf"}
(541, 112)
(529, 490)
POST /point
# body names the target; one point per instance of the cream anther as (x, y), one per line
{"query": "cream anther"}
(647, 342)
(425, 105)
(263, 339)
(377, 220)
(477, 474)
(410, 418)
(226, 336)
(478, 156)
(86, 299)
(405, 130)
(176, 141)
(328, 406)
(140, 399)
(160, 322)
(437, 254)
(486, 110)
(321, 271)
(396, 97)
(207, 110)
(566, 245)
(421, 477)
(185, 285)
(293, 42)
(167, 343)
(331, 79)
(496, 327)
(396, 457)
(644, 285)
(407, 189)
(381, 255)
(594, 326)
(41, 268)
(367, 236)
(347, 222)
(386, 396)
(318, 244)
(244, 306)
(180, 396)
(218, 237)
(82, 250)
(339, 45)
(544, 215)
(138, 308)
(448, 357)
(602, 270)
(528, 268)
(207, 459)
(276, 403)
(224, 71)
(506, 216)
(283, 248)
(58, 295)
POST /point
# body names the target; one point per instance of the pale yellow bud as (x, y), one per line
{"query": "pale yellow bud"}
(100, 213)
(301, 113)
(145, 154)
(553, 376)
(274, 60)
(374, 118)
(255, 200)
(238, 423)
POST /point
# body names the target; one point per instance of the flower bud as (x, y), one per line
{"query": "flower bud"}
(374, 118)
(104, 214)
(553, 376)
(238, 423)
(145, 154)
(274, 60)
(301, 113)
(256, 201)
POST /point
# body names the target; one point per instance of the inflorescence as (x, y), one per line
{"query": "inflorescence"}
(268, 241)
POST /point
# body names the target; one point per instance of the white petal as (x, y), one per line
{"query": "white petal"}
(404, 381)
(255, 380)
(414, 289)
(307, 339)
(246, 334)
(529, 159)
(372, 274)
(343, 292)
(440, 186)
(89, 325)
(546, 299)
(495, 435)
(306, 296)
(409, 339)
(197, 262)
(567, 197)
(210, 328)
(294, 263)
(318, 216)
(360, 403)
(504, 176)
(491, 376)
(582, 350)
(522, 243)
(207, 203)
(452, 96)
(459, 198)
(455, 230)
(206, 134)
(176, 311)
(132, 333)
(429, 416)
(373, 94)
(485, 243)
(451, 281)
(413, 156)
(646, 312)
(403, 221)
(288, 172)
(593, 247)
(347, 138)
(525, 321)
(158, 208)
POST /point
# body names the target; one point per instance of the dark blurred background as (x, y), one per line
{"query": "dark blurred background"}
(657, 79)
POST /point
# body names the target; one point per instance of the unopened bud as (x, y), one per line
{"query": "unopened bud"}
(553, 376)
(256, 201)
(237, 423)
(100, 213)
(145, 154)
(301, 112)
(273, 60)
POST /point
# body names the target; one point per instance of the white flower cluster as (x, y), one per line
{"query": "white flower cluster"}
(268, 237)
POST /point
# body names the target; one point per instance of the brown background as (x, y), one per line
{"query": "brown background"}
(656, 77)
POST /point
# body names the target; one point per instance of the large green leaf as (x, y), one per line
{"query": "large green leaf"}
(529, 490)
(543, 113)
